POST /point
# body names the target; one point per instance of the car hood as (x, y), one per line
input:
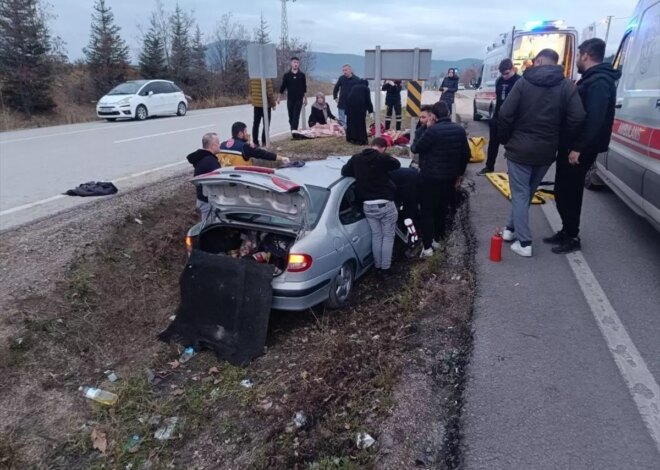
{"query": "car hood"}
(257, 191)
(113, 99)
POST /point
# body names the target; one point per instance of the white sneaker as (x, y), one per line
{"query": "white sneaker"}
(518, 249)
(426, 253)
(508, 235)
(435, 245)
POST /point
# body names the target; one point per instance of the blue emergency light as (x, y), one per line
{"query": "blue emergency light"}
(540, 24)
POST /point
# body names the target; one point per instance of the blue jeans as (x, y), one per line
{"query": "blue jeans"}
(382, 220)
(341, 117)
(523, 181)
(204, 209)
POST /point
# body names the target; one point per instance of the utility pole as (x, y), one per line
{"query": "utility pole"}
(607, 31)
(284, 36)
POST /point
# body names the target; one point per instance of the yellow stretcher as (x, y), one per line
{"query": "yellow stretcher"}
(501, 182)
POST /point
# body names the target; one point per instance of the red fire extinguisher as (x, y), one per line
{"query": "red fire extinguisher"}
(496, 246)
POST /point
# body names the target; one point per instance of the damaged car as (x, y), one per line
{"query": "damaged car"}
(304, 221)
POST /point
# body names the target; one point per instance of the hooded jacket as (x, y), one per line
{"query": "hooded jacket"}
(597, 89)
(443, 150)
(541, 106)
(371, 170)
(203, 162)
(450, 84)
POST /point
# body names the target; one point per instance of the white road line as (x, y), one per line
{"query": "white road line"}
(25, 139)
(641, 383)
(178, 131)
(146, 172)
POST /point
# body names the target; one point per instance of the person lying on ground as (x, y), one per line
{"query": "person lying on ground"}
(239, 150)
(320, 113)
(204, 161)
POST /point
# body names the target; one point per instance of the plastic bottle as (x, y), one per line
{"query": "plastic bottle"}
(187, 354)
(100, 396)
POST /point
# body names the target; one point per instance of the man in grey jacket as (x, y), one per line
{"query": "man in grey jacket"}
(542, 105)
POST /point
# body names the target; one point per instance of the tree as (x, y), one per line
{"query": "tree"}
(152, 57)
(228, 58)
(180, 57)
(26, 67)
(107, 53)
(199, 73)
(262, 32)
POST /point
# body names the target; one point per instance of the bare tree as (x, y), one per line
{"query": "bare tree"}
(227, 56)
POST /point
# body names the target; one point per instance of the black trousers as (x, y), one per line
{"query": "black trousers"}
(256, 122)
(294, 107)
(437, 196)
(569, 189)
(493, 144)
(396, 108)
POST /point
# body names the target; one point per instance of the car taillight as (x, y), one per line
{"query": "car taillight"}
(189, 244)
(299, 263)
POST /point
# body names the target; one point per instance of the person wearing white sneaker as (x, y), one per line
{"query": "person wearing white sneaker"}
(508, 235)
(426, 253)
(518, 249)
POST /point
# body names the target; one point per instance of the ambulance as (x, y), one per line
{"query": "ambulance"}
(521, 46)
(631, 166)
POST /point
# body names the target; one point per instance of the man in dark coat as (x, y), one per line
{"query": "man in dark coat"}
(342, 91)
(597, 89)
(542, 106)
(392, 91)
(204, 160)
(294, 82)
(449, 87)
(503, 85)
(443, 157)
(357, 107)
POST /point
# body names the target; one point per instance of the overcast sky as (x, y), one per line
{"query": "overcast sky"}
(454, 29)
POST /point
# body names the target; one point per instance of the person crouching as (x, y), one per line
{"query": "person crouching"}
(371, 170)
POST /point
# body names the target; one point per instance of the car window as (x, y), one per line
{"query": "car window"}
(145, 91)
(128, 88)
(175, 87)
(620, 57)
(350, 208)
(161, 87)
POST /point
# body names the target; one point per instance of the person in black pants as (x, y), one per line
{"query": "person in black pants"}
(448, 88)
(503, 86)
(392, 91)
(597, 89)
(294, 83)
(257, 103)
(443, 157)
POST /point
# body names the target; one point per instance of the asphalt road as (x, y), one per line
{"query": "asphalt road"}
(564, 376)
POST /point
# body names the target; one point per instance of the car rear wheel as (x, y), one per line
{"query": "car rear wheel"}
(141, 113)
(181, 109)
(475, 115)
(341, 286)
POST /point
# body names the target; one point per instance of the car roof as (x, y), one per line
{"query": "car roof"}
(323, 173)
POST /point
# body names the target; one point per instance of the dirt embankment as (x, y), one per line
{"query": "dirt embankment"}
(92, 289)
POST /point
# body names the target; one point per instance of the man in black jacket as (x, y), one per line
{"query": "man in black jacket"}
(342, 90)
(597, 89)
(205, 161)
(371, 170)
(443, 157)
(503, 85)
(392, 91)
(540, 107)
(294, 82)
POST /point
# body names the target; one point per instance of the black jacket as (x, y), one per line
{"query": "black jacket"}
(597, 89)
(502, 89)
(203, 162)
(359, 101)
(392, 93)
(295, 85)
(343, 89)
(450, 84)
(443, 150)
(408, 184)
(541, 106)
(316, 116)
(371, 170)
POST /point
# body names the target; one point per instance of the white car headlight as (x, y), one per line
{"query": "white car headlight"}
(124, 101)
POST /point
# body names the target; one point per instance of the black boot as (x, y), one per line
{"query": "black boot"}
(569, 245)
(557, 239)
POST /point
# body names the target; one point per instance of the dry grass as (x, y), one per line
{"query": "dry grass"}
(316, 149)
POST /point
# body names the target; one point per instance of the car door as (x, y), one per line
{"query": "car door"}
(149, 98)
(161, 93)
(170, 98)
(354, 225)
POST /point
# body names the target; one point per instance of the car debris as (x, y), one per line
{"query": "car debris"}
(247, 383)
(364, 440)
(300, 419)
(167, 430)
(111, 375)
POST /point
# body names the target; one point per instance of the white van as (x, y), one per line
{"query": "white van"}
(631, 166)
(526, 43)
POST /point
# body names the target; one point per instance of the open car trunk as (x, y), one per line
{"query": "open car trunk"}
(255, 245)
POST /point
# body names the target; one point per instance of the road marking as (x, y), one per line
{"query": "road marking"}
(146, 172)
(31, 205)
(25, 139)
(641, 384)
(178, 131)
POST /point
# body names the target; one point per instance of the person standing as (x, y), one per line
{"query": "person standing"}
(392, 91)
(444, 154)
(542, 106)
(294, 83)
(371, 169)
(357, 107)
(257, 103)
(503, 85)
(204, 160)
(448, 88)
(597, 90)
(342, 90)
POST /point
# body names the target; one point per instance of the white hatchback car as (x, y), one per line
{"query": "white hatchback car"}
(139, 99)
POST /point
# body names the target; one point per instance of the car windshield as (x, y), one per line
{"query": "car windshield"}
(128, 88)
(319, 197)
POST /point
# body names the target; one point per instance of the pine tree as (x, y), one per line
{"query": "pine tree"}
(180, 58)
(262, 32)
(200, 77)
(26, 68)
(152, 57)
(107, 52)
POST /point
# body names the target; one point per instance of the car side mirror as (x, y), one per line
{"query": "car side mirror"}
(150, 93)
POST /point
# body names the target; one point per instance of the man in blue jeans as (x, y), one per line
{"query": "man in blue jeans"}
(541, 106)
(371, 170)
